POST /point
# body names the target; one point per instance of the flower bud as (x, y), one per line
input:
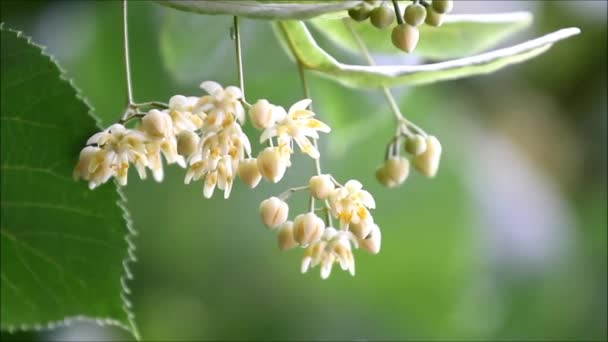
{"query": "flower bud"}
(187, 143)
(397, 168)
(373, 241)
(383, 177)
(361, 229)
(360, 12)
(261, 114)
(274, 212)
(382, 16)
(285, 237)
(428, 162)
(82, 169)
(249, 173)
(405, 37)
(442, 6)
(157, 124)
(308, 228)
(271, 164)
(414, 14)
(321, 186)
(415, 144)
(433, 18)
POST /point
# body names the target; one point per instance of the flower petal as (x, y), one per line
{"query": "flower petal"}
(211, 87)
(300, 105)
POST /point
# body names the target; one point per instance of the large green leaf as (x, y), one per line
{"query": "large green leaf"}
(65, 248)
(302, 45)
(263, 9)
(459, 36)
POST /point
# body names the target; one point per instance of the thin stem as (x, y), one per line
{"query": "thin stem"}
(398, 12)
(156, 104)
(401, 120)
(287, 193)
(126, 50)
(239, 59)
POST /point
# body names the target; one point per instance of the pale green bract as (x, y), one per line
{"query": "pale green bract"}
(459, 36)
(301, 44)
(64, 248)
(272, 10)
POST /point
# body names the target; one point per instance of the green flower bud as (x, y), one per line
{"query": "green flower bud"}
(442, 6)
(433, 18)
(427, 163)
(415, 144)
(414, 14)
(360, 13)
(382, 16)
(187, 143)
(405, 37)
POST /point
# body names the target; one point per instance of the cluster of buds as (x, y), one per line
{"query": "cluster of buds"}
(405, 35)
(324, 244)
(425, 152)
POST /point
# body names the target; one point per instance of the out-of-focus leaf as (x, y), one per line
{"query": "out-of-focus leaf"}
(303, 46)
(64, 250)
(459, 36)
(272, 10)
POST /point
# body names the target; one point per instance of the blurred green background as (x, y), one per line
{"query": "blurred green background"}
(508, 242)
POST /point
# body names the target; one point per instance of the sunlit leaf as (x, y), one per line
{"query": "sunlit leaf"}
(459, 36)
(277, 9)
(303, 46)
(64, 250)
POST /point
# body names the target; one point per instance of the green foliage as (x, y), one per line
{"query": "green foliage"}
(459, 36)
(278, 9)
(301, 43)
(63, 246)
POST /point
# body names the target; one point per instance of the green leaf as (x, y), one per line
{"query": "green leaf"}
(65, 248)
(302, 45)
(272, 10)
(459, 36)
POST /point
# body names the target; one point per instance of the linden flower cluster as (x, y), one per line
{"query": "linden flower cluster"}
(324, 244)
(201, 133)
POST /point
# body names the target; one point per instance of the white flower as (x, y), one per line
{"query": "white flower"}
(158, 127)
(119, 146)
(296, 125)
(184, 113)
(218, 157)
(222, 106)
(350, 203)
(334, 246)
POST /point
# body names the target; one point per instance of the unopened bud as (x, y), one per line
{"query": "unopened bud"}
(285, 237)
(398, 169)
(157, 124)
(82, 169)
(433, 18)
(274, 212)
(308, 228)
(442, 6)
(373, 241)
(271, 164)
(187, 143)
(360, 12)
(361, 229)
(428, 162)
(405, 37)
(321, 186)
(414, 14)
(249, 173)
(382, 16)
(383, 177)
(261, 114)
(416, 144)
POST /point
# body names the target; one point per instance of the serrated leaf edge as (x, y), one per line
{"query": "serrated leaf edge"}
(121, 203)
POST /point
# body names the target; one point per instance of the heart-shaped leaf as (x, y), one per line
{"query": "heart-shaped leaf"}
(272, 10)
(64, 248)
(459, 36)
(302, 45)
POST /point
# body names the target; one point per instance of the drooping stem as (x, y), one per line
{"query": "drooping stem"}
(398, 12)
(317, 161)
(126, 50)
(401, 120)
(239, 58)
